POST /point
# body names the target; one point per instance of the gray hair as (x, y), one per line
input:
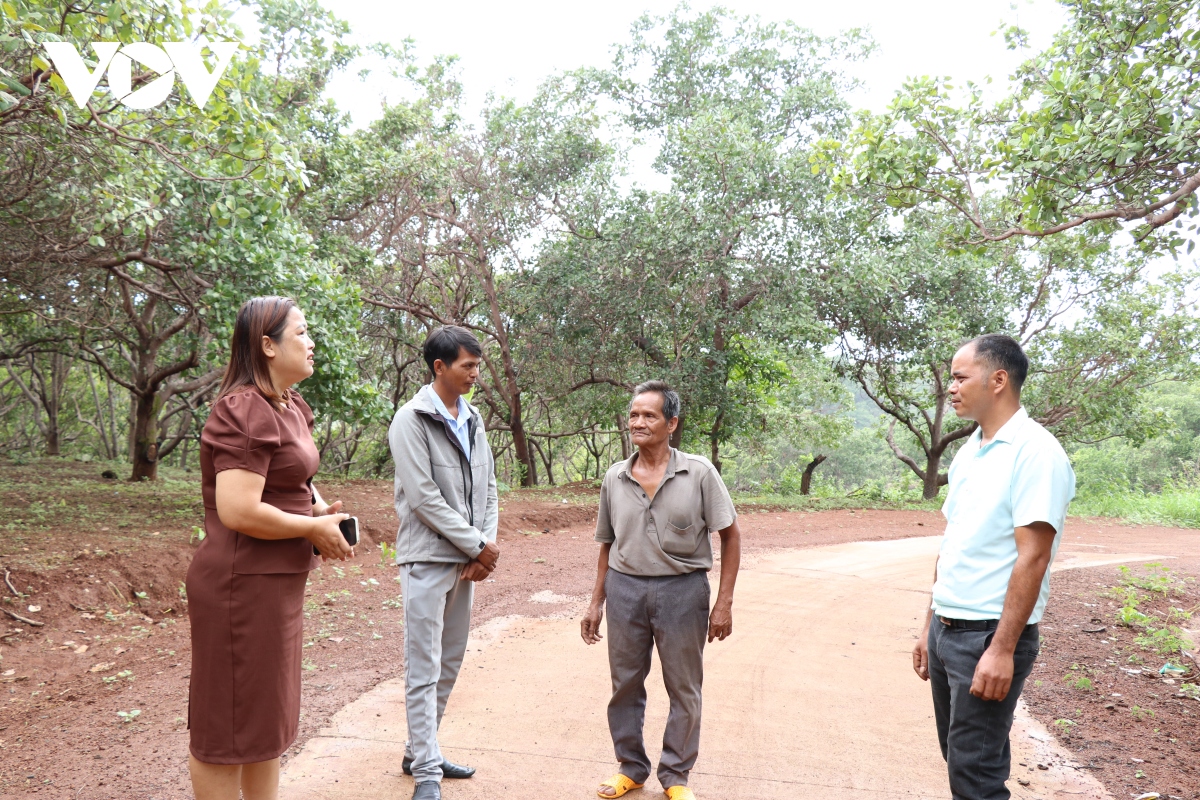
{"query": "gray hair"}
(670, 398)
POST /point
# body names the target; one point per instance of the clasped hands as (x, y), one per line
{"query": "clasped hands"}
(482, 565)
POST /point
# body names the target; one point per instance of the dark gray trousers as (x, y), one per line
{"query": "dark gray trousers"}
(672, 613)
(973, 732)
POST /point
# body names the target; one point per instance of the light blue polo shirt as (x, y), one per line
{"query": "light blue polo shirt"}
(460, 426)
(1020, 477)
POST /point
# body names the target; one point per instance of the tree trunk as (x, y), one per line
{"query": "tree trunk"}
(44, 391)
(714, 437)
(521, 447)
(59, 367)
(112, 418)
(806, 478)
(547, 456)
(626, 444)
(145, 436)
(932, 482)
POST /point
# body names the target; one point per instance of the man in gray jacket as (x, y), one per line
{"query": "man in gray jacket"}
(448, 508)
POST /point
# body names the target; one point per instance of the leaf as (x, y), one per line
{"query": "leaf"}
(15, 85)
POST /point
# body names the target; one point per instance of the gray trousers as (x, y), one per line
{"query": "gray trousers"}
(672, 613)
(974, 733)
(437, 619)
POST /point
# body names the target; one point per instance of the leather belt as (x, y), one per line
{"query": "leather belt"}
(970, 624)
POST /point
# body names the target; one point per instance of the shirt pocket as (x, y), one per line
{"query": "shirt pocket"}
(678, 538)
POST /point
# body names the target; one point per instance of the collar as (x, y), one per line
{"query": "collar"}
(464, 413)
(676, 463)
(1008, 431)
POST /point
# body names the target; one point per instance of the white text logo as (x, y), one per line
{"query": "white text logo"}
(173, 57)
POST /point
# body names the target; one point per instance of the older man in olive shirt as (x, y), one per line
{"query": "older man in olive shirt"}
(657, 512)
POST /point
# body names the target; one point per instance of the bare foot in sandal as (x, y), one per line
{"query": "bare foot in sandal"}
(617, 785)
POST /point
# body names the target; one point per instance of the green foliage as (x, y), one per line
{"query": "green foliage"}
(1173, 507)
(1132, 618)
(765, 289)
(1163, 641)
(1154, 578)
(699, 282)
(1164, 637)
(387, 554)
(1083, 684)
(1154, 482)
(1096, 130)
(146, 229)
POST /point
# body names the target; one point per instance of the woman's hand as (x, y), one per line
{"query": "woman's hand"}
(326, 536)
(321, 508)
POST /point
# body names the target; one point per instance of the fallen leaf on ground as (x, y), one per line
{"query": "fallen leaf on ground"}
(102, 667)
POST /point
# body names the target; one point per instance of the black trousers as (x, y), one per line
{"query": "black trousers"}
(973, 732)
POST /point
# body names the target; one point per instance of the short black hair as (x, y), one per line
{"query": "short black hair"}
(1001, 351)
(670, 398)
(445, 343)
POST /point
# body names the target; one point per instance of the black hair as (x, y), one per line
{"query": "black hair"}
(445, 343)
(670, 398)
(1000, 351)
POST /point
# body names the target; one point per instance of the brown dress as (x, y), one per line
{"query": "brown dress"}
(246, 595)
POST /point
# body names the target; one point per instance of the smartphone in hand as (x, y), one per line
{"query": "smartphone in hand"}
(349, 529)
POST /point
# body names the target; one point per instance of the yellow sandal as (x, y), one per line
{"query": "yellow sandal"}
(621, 783)
(679, 793)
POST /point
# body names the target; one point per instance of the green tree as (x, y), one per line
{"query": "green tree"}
(1097, 332)
(698, 282)
(1100, 130)
(143, 229)
(453, 217)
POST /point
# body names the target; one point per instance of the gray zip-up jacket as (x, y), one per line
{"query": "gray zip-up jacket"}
(447, 504)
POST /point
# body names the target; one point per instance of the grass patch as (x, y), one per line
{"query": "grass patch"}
(746, 501)
(1162, 637)
(56, 493)
(1174, 507)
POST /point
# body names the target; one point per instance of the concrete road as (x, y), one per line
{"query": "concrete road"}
(813, 696)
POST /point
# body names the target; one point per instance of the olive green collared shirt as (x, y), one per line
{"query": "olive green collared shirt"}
(670, 534)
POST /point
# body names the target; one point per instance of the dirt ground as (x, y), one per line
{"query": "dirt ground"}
(93, 703)
(1103, 696)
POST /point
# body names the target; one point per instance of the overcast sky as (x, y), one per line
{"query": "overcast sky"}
(510, 47)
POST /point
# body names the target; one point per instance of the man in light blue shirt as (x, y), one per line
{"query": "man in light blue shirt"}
(1005, 510)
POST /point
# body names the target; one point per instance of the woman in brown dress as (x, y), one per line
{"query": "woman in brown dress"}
(245, 585)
